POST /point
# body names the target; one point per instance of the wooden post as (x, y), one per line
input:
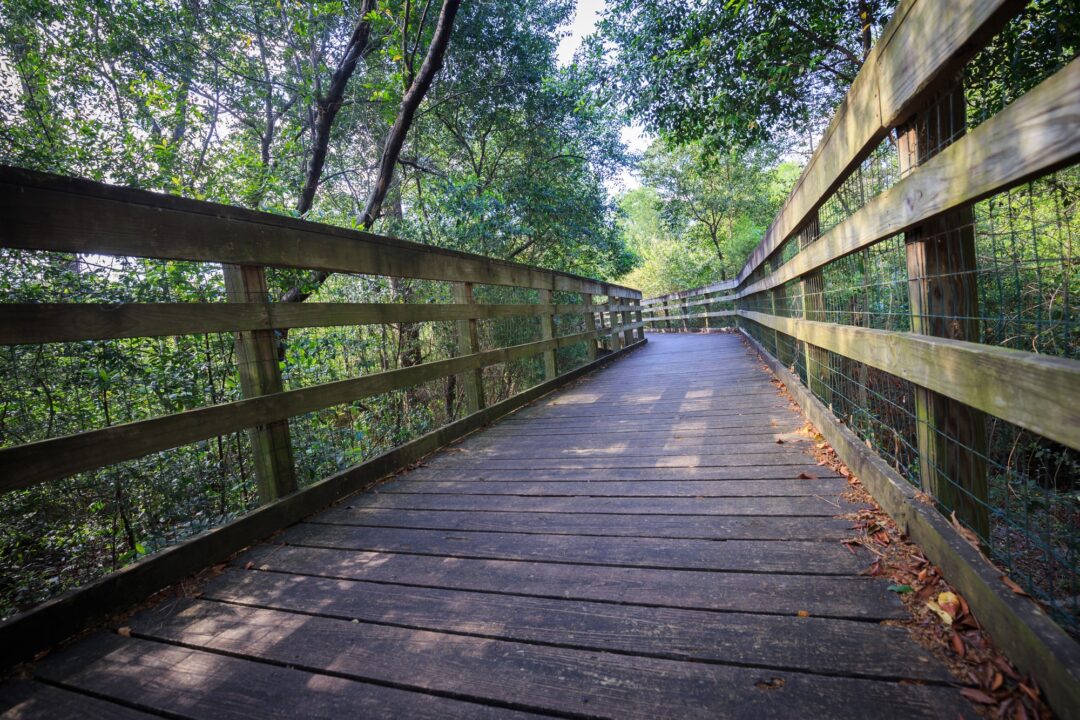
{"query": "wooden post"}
(813, 286)
(640, 321)
(547, 332)
(469, 344)
(627, 319)
(778, 301)
(260, 374)
(685, 315)
(944, 299)
(613, 319)
(590, 326)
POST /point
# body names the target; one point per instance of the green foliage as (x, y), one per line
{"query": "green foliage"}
(733, 72)
(700, 214)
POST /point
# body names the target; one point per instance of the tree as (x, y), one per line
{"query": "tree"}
(734, 72)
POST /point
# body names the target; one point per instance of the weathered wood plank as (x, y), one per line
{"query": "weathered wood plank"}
(670, 474)
(1037, 392)
(635, 488)
(819, 645)
(211, 686)
(822, 595)
(704, 527)
(818, 558)
(27, 700)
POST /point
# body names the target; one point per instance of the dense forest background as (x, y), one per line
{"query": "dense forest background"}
(448, 123)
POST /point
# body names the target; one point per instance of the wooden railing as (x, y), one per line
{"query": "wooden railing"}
(40, 212)
(905, 94)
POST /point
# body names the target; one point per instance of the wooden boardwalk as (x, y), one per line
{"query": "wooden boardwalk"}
(635, 546)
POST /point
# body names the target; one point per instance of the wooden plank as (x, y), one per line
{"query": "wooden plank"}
(819, 645)
(703, 527)
(796, 556)
(635, 488)
(165, 678)
(821, 595)
(589, 683)
(50, 212)
(727, 474)
(28, 700)
(50, 622)
(616, 463)
(25, 465)
(1029, 637)
(1036, 392)
(260, 374)
(35, 323)
(823, 506)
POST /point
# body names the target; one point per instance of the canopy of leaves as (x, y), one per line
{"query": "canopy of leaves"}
(734, 71)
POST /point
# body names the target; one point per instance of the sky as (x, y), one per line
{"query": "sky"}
(584, 22)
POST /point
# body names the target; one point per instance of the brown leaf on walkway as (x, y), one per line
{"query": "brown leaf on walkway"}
(957, 644)
(978, 696)
(806, 476)
(1011, 584)
(124, 631)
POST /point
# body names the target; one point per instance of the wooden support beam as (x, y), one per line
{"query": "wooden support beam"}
(943, 295)
(547, 332)
(472, 380)
(638, 319)
(813, 297)
(616, 330)
(590, 326)
(260, 374)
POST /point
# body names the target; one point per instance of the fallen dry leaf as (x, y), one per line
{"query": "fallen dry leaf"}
(958, 644)
(978, 696)
(1011, 584)
(950, 603)
(124, 631)
(803, 613)
(806, 476)
(936, 609)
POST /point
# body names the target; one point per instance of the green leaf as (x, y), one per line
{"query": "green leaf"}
(901, 589)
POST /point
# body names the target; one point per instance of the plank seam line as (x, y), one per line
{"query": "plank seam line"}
(568, 534)
(577, 562)
(590, 512)
(862, 579)
(86, 692)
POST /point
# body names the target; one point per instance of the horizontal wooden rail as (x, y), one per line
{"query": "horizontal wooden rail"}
(715, 287)
(1036, 392)
(48, 212)
(694, 316)
(69, 322)
(32, 463)
(916, 51)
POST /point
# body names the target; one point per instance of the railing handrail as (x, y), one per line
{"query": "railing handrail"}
(42, 211)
